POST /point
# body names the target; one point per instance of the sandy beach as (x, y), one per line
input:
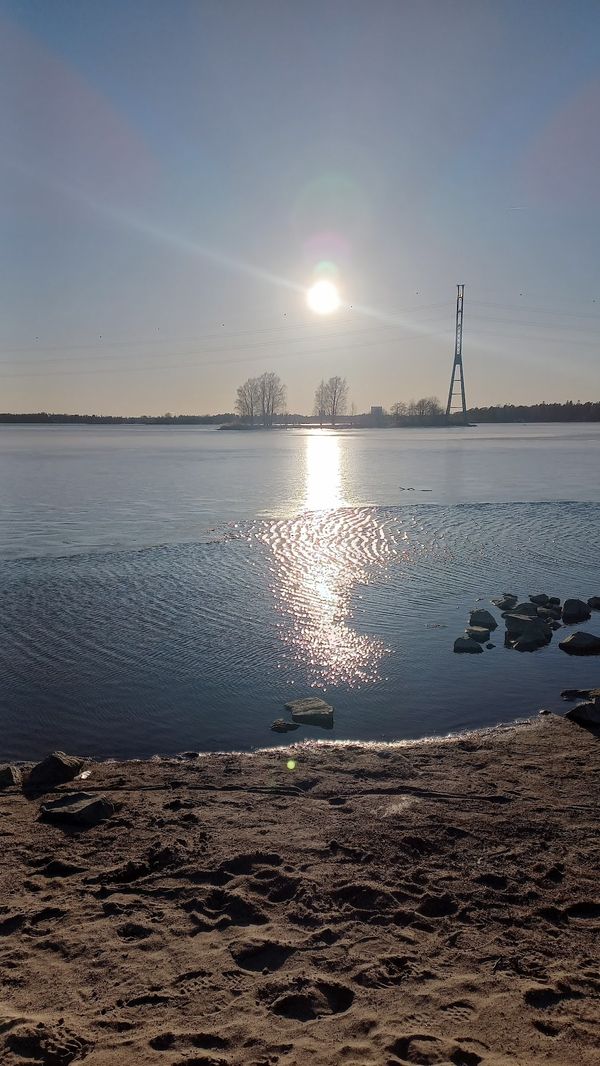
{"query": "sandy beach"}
(433, 902)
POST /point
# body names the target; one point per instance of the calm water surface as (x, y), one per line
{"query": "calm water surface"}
(170, 588)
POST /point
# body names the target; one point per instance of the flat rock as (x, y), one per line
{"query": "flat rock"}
(518, 624)
(594, 603)
(77, 808)
(585, 714)
(581, 644)
(311, 711)
(478, 633)
(55, 769)
(482, 618)
(549, 613)
(281, 726)
(540, 599)
(468, 645)
(575, 611)
(9, 775)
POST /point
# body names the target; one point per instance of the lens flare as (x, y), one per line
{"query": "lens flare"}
(323, 297)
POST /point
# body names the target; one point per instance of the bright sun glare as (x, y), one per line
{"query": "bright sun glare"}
(323, 297)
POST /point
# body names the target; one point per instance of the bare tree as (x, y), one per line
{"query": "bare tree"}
(272, 396)
(336, 397)
(248, 400)
(321, 401)
(399, 410)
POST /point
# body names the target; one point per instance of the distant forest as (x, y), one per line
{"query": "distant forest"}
(571, 411)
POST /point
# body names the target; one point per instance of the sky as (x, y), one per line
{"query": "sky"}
(174, 175)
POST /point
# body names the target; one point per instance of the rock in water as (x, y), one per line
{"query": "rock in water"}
(477, 633)
(580, 694)
(482, 618)
(575, 611)
(585, 714)
(526, 608)
(77, 808)
(55, 769)
(554, 601)
(594, 603)
(506, 602)
(281, 726)
(311, 711)
(581, 644)
(467, 644)
(540, 599)
(9, 775)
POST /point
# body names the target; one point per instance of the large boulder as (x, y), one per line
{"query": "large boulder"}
(467, 645)
(9, 775)
(311, 711)
(516, 624)
(575, 611)
(594, 603)
(581, 644)
(482, 618)
(55, 769)
(77, 808)
(587, 714)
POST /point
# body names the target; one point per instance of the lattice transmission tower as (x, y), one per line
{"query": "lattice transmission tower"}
(456, 398)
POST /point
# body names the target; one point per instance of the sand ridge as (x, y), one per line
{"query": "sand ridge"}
(429, 903)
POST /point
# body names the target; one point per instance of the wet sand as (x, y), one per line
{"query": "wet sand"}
(435, 902)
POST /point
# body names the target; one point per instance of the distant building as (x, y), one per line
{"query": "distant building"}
(376, 412)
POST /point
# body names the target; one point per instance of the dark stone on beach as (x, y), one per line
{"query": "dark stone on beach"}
(467, 644)
(482, 618)
(544, 711)
(490, 645)
(540, 599)
(281, 726)
(587, 714)
(77, 808)
(477, 633)
(575, 611)
(311, 711)
(9, 775)
(594, 603)
(55, 769)
(581, 644)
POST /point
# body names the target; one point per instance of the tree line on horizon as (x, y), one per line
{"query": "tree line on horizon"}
(426, 411)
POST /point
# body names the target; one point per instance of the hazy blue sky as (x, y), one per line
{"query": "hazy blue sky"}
(172, 173)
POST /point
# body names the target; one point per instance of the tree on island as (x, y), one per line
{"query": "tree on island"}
(331, 398)
(263, 396)
(427, 409)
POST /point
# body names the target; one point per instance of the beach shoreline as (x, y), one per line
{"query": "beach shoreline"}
(428, 901)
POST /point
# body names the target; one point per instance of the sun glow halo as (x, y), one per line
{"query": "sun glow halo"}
(323, 297)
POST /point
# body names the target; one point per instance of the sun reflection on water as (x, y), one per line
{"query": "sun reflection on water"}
(320, 558)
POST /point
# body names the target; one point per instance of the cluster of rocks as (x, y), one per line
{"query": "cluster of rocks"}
(308, 711)
(530, 624)
(71, 808)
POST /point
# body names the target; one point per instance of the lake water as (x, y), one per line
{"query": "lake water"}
(169, 588)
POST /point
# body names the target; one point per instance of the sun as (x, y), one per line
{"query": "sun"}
(323, 297)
